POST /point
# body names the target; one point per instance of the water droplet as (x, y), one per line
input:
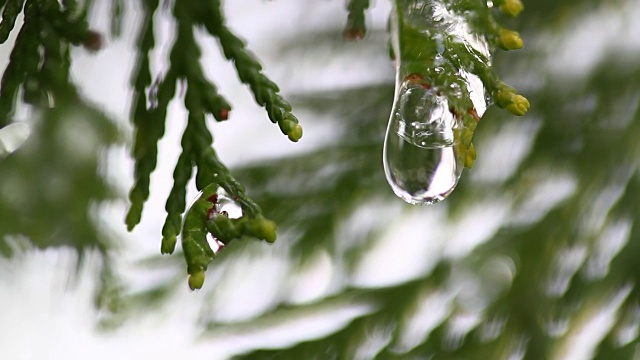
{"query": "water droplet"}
(435, 110)
(226, 205)
(420, 160)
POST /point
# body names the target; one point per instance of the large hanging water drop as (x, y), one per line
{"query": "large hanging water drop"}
(421, 162)
(437, 103)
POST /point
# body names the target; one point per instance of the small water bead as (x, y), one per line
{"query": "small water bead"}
(221, 204)
(227, 205)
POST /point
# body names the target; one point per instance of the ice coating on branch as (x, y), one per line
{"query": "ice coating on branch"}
(12, 137)
(437, 103)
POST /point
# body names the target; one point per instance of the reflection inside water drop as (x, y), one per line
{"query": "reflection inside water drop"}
(422, 117)
(417, 174)
(227, 206)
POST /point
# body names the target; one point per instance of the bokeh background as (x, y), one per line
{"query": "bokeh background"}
(534, 256)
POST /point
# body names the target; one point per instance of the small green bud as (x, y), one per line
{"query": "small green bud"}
(196, 280)
(287, 125)
(519, 106)
(504, 96)
(262, 228)
(512, 7)
(470, 157)
(467, 137)
(510, 40)
(295, 133)
(168, 244)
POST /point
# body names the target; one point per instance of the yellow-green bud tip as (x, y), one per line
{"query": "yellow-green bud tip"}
(504, 96)
(512, 7)
(519, 106)
(470, 157)
(268, 230)
(168, 245)
(510, 40)
(295, 133)
(262, 228)
(196, 280)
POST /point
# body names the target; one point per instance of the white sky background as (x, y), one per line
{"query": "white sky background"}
(43, 317)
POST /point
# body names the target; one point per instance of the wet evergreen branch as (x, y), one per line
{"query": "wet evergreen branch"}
(438, 44)
(201, 99)
(39, 68)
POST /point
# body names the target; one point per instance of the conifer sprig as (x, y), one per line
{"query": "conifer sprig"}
(265, 91)
(39, 69)
(201, 99)
(39, 66)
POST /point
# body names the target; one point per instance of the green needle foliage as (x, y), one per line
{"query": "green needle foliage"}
(201, 99)
(39, 67)
(39, 71)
